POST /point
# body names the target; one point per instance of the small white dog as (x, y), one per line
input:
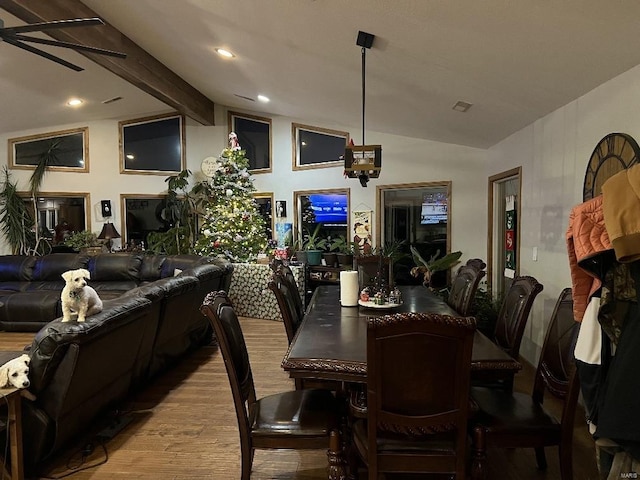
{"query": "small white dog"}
(15, 373)
(79, 297)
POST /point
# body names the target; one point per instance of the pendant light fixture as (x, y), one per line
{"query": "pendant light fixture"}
(363, 161)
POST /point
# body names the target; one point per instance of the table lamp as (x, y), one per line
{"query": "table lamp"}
(108, 232)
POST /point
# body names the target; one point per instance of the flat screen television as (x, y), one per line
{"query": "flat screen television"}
(330, 208)
(433, 213)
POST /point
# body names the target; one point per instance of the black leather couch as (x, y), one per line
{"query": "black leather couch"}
(150, 319)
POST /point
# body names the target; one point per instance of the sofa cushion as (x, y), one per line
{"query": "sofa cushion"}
(27, 311)
(51, 267)
(113, 267)
(16, 268)
(151, 267)
(180, 262)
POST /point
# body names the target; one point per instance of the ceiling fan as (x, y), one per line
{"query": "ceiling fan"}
(13, 36)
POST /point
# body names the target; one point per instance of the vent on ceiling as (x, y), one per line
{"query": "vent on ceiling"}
(245, 98)
(461, 106)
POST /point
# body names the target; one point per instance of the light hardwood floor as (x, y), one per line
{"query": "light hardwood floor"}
(184, 426)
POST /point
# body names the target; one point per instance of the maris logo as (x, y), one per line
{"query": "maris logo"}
(629, 475)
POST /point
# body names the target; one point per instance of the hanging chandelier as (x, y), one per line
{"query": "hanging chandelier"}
(363, 161)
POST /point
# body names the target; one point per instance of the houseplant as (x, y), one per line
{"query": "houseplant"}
(344, 250)
(314, 245)
(85, 241)
(434, 264)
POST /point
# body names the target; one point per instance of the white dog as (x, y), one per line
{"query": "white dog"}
(79, 297)
(15, 373)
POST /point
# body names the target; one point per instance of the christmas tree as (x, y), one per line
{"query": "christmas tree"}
(232, 225)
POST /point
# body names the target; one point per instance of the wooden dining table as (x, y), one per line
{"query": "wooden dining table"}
(331, 342)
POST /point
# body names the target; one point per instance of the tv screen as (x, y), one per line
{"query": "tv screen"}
(433, 213)
(330, 209)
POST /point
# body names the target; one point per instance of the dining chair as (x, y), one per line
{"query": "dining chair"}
(418, 373)
(519, 420)
(465, 284)
(510, 324)
(297, 419)
(370, 268)
(278, 266)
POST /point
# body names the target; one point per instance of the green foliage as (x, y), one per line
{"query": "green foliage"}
(175, 241)
(82, 239)
(313, 241)
(485, 309)
(342, 245)
(231, 222)
(436, 264)
(15, 221)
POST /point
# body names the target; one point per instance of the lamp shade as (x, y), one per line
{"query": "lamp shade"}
(108, 232)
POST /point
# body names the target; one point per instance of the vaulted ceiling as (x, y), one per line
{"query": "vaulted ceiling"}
(514, 61)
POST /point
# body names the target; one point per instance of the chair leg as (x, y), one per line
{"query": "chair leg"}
(541, 458)
(478, 465)
(566, 461)
(247, 461)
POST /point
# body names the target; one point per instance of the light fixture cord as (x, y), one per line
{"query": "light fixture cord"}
(363, 65)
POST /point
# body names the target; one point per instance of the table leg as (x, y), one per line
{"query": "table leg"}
(15, 434)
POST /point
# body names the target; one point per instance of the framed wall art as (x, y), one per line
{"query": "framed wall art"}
(153, 145)
(63, 150)
(315, 147)
(254, 137)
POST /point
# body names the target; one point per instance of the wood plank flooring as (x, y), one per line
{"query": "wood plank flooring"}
(184, 427)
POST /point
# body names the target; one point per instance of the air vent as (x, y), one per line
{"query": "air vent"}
(111, 100)
(245, 98)
(461, 106)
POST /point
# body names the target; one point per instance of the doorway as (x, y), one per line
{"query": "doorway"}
(503, 249)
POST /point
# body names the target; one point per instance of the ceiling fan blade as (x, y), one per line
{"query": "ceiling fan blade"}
(44, 54)
(37, 27)
(75, 46)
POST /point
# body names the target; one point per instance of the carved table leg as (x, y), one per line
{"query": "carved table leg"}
(336, 470)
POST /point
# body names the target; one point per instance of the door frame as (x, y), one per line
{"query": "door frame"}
(493, 180)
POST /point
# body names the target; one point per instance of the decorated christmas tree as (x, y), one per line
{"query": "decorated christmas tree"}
(232, 225)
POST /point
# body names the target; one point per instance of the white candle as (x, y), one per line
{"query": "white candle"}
(349, 289)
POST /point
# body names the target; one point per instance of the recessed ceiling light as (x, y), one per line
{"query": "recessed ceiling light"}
(263, 98)
(224, 53)
(74, 102)
(130, 156)
(461, 106)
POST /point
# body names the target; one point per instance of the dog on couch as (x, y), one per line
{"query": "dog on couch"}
(78, 297)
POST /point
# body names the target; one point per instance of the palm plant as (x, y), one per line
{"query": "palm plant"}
(15, 220)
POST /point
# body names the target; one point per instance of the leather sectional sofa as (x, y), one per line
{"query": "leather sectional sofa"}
(151, 318)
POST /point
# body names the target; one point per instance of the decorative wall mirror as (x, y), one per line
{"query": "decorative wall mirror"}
(152, 145)
(64, 150)
(614, 153)
(315, 147)
(254, 137)
(265, 206)
(140, 216)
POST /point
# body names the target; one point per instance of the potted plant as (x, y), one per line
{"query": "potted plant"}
(428, 268)
(314, 245)
(344, 250)
(85, 241)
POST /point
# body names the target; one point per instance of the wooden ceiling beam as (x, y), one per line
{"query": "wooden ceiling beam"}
(139, 68)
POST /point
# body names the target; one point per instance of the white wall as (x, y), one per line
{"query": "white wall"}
(554, 152)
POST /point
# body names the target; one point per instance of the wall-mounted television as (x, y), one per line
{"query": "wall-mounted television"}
(330, 208)
(433, 213)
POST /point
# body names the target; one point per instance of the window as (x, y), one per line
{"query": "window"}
(416, 214)
(265, 206)
(315, 147)
(254, 137)
(64, 150)
(153, 145)
(141, 216)
(327, 208)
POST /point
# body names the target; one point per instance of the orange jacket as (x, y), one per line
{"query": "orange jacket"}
(586, 238)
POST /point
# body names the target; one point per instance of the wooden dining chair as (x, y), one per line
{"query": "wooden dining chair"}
(516, 420)
(279, 267)
(418, 372)
(297, 419)
(465, 284)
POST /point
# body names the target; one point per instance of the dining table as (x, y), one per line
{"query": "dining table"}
(331, 341)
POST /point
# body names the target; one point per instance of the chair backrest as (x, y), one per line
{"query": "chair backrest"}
(279, 267)
(418, 374)
(556, 372)
(218, 309)
(290, 317)
(465, 284)
(514, 314)
(370, 267)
